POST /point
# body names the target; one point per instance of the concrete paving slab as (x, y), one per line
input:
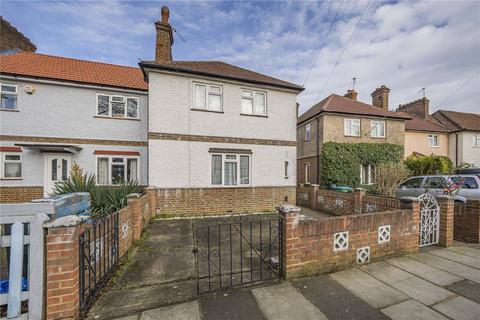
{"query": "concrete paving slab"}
(284, 302)
(133, 317)
(467, 289)
(373, 291)
(233, 305)
(422, 270)
(459, 308)
(182, 311)
(469, 251)
(335, 301)
(458, 257)
(415, 287)
(412, 309)
(458, 269)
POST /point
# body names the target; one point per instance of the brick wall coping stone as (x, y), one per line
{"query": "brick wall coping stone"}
(410, 199)
(287, 208)
(67, 221)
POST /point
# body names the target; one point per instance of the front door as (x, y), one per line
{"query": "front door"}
(57, 168)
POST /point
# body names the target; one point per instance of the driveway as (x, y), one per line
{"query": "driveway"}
(434, 284)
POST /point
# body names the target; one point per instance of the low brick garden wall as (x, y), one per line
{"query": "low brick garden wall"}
(467, 222)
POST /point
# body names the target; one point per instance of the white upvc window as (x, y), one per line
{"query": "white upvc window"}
(352, 127)
(8, 93)
(377, 129)
(254, 103)
(476, 141)
(367, 174)
(286, 169)
(117, 106)
(230, 169)
(112, 170)
(11, 165)
(207, 97)
(308, 131)
(433, 141)
(307, 172)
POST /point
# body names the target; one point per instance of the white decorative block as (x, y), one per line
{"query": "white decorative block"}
(363, 255)
(383, 234)
(340, 241)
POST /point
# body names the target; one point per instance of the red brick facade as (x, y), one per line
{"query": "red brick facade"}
(467, 222)
(20, 194)
(213, 201)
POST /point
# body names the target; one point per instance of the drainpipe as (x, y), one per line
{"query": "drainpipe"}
(318, 150)
(456, 149)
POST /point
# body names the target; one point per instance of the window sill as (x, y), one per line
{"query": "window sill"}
(10, 110)
(434, 146)
(378, 137)
(253, 115)
(113, 118)
(10, 179)
(351, 136)
(206, 110)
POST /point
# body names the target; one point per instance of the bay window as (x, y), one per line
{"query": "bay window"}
(230, 169)
(207, 97)
(352, 127)
(11, 165)
(117, 106)
(254, 103)
(8, 93)
(116, 169)
(377, 129)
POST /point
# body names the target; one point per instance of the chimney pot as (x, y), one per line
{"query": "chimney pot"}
(351, 94)
(165, 13)
(380, 97)
(419, 108)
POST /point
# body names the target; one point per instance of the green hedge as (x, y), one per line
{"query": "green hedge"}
(341, 161)
(425, 165)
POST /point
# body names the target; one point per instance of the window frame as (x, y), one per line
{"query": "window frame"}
(437, 138)
(4, 161)
(208, 92)
(10, 93)
(286, 164)
(125, 113)
(352, 120)
(476, 141)
(307, 167)
(125, 164)
(370, 173)
(237, 161)
(254, 99)
(374, 127)
(308, 131)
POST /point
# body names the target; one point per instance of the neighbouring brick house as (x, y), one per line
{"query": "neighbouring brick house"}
(56, 111)
(220, 138)
(346, 120)
(464, 137)
(12, 39)
(423, 134)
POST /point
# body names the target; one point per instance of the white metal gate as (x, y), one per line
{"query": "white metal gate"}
(429, 220)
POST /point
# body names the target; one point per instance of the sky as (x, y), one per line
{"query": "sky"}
(322, 45)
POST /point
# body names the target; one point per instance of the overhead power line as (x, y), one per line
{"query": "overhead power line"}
(458, 89)
(332, 23)
(344, 48)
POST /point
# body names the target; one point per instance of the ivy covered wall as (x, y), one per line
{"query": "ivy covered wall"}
(340, 162)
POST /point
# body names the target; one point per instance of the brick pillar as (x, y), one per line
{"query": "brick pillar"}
(152, 200)
(313, 200)
(134, 204)
(412, 203)
(290, 240)
(447, 212)
(62, 265)
(358, 195)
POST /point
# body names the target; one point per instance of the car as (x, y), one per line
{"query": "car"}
(461, 186)
(475, 171)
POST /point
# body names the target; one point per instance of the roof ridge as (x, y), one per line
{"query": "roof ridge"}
(75, 59)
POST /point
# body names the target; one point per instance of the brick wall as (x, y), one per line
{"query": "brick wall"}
(20, 194)
(207, 201)
(309, 243)
(467, 222)
(333, 202)
(313, 173)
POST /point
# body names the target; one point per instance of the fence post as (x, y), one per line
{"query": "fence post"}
(358, 195)
(152, 200)
(313, 200)
(134, 204)
(290, 216)
(413, 204)
(447, 213)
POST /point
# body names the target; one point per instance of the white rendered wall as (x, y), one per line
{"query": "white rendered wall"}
(470, 153)
(183, 164)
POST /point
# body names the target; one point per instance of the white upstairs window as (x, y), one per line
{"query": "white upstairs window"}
(377, 129)
(8, 94)
(117, 106)
(207, 97)
(352, 127)
(433, 140)
(11, 165)
(308, 131)
(254, 103)
(476, 141)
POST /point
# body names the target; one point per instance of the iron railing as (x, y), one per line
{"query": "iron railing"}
(99, 257)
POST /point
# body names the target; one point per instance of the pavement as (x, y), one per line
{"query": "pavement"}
(437, 283)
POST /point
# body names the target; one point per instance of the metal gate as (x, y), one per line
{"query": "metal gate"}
(240, 251)
(429, 220)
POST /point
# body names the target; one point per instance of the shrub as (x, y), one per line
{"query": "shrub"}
(426, 165)
(104, 199)
(388, 176)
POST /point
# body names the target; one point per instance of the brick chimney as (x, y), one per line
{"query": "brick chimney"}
(419, 107)
(163, 46)
(380, 97)
(351, 94)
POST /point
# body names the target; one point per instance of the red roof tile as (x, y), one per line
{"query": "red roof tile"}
(458, 120)
(419, 124)
(338, 104)
(219, 69)
(59, 68)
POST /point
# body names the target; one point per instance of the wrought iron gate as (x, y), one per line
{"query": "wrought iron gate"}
(233, 253)
(429, 220)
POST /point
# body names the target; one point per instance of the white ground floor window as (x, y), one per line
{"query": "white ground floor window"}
(11, 165)
(230, 169)
(367, 174)
(113, 170)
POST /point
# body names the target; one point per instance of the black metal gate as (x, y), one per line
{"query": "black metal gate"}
(240, 251)
(98, 252)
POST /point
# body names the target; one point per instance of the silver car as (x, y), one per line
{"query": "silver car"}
(464, 186)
